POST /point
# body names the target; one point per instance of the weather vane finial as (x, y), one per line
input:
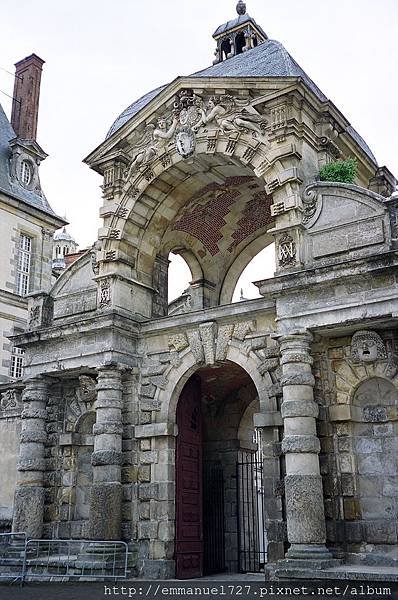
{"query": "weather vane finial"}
(241, 7)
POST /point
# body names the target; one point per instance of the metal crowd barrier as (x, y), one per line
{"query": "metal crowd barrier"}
(13, 556)
(48, 559)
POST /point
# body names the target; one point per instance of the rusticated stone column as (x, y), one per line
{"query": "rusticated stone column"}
(106, 492)
(29, 493)
(303, 483)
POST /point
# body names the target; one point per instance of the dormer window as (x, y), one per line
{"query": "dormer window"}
(26, 173)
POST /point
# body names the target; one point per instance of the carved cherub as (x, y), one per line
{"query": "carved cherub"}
(232, 115)
(154, 139)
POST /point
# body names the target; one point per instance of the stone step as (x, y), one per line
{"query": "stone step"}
(373, 559)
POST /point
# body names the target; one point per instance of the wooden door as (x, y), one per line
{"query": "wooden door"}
(189, 502)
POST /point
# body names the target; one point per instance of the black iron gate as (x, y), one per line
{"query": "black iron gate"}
(252, 542)
(213, 519)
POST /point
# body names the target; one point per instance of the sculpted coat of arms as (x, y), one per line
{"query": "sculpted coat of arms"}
(190, 112)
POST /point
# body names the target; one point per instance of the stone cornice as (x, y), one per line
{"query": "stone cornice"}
(79, 327)
(13, 299)
(222, 314)
(200, 85)
(327, 275)
(43, 217)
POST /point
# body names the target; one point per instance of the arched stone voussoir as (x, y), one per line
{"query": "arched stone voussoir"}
(189, 361)
(244, 152)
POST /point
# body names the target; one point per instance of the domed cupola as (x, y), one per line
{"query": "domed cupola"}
(64, 244)
(237, 36)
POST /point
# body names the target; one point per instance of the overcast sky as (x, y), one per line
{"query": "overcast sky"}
(101, 56)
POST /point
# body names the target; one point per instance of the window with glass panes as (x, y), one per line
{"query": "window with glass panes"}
(16, 368)
(26, 172)
(24, 264)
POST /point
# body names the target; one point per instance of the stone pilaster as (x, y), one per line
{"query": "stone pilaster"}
(29, 493)
(106, 493)
(303, 483)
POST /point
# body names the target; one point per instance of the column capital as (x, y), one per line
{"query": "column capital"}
(299, 338)
(112, 370)
(37, 381)
(111, 366)
(35, 390)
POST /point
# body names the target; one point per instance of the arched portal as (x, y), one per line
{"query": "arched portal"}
(215, 429)
(214, 206)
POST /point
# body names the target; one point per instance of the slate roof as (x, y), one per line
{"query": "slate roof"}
(10, 186)
(269, 59)
(240, 20)
(133, 109)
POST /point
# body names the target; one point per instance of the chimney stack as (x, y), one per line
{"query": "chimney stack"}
(25, 106)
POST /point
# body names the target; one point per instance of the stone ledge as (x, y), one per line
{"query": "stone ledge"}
(269, 419)
(155, 430)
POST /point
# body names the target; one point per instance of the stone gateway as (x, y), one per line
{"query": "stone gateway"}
(218, 436)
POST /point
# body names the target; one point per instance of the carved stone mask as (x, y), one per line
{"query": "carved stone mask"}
(367, 346)
(368, 351)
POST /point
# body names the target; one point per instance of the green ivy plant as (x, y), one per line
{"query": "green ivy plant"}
(341, 171)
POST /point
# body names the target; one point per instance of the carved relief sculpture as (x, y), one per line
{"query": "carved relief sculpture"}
(9, 400)
(105, 294)
(153, 141)
(310, 204)
(287, 251)
(367, 346)
(232, 115)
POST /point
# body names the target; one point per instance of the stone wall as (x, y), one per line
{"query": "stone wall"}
(10, 427)
(9, 451)
(358, 433)
(13, 308)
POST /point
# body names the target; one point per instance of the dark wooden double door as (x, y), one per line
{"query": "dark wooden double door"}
(196, 516)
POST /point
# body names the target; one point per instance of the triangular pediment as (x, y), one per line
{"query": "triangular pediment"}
(245, 91)
(29, 146)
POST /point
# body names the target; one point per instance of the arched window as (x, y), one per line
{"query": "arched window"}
(240, 43)
(180, 276)
(262, 266)
(25, 172)
(226, 49)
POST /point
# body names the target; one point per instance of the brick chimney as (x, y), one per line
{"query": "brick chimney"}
(25, 106)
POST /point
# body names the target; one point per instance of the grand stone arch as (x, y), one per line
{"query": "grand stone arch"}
(197, 355)
(178, 375)
(157, 189)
